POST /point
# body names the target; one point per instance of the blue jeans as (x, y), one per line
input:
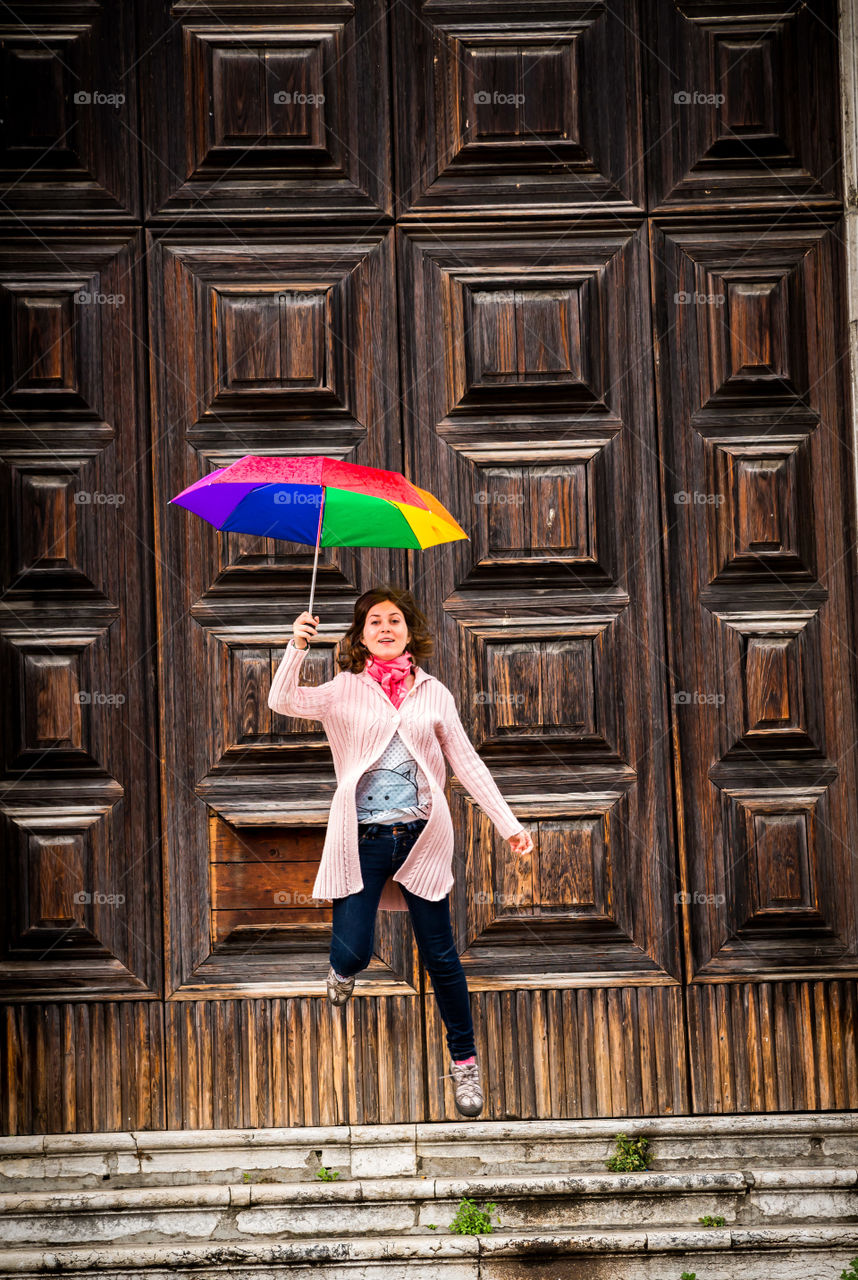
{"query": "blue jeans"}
(383, 848)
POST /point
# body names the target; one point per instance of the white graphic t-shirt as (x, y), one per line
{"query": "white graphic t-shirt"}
(395, 789)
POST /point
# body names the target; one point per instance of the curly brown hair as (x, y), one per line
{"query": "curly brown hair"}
(353, 653)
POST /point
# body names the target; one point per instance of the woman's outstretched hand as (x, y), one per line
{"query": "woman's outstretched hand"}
(304, 628)
(521, 842)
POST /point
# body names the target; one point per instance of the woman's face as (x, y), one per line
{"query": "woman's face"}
(385, 631)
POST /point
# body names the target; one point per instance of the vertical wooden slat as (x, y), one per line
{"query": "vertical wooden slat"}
(68, 1119)
(552, 1029)
(83, 1069)
(647, 1017)
(738, 1003)
(545, 1064)
(11, 1085)
(418, 1085)
(277, 1058)
(525, 1053)
(597, 999)
(573, 1048)
(342, 1065)
(820, 1037)
(512, 1067)
(113, 1115)
(496, 1061)
(437, 1088)
(756, 1082)
(326, 1091)
(724, 1047)
(295, 1070)
(386, 1068)
(785, 1063)
(847, 1047)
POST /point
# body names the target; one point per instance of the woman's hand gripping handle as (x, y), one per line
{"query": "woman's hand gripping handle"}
(304, 628)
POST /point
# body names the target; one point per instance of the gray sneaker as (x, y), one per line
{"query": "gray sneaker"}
(467, 1087)
(339, 989)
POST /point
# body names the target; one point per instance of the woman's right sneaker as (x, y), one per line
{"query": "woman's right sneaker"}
(339, 989)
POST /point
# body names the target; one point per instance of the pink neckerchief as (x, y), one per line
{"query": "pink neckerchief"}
(391, 674)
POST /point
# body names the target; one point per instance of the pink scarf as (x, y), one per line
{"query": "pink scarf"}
(391, 674)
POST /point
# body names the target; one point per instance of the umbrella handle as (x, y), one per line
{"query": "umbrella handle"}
(316, 556)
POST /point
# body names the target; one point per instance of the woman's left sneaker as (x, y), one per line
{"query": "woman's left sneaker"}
(467, 1087)
(339, 989)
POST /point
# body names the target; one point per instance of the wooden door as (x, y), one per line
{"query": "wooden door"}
(579, 270)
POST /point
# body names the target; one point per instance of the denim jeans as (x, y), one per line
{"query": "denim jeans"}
(383, 848)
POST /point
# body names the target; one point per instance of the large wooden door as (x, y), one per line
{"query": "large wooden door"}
(579, 270)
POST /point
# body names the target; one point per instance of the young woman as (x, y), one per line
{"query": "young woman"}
(389, 840)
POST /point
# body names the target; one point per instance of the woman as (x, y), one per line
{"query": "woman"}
(389, 840)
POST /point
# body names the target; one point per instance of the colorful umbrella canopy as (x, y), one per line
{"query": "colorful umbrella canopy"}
(320, 501)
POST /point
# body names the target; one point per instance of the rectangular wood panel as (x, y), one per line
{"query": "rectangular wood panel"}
(579, 271)
(550, 614)
(80, 859)
(762, 596)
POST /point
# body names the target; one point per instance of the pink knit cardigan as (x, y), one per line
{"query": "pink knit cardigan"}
(359, 720)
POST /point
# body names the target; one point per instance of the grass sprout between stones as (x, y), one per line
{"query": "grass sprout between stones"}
(470, 1220)
(632, 1155)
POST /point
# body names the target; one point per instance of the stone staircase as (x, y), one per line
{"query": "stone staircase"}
(249, 1203)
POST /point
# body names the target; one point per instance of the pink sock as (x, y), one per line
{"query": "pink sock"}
(472, 1058)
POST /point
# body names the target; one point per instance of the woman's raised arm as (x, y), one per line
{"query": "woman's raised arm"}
(308, 701)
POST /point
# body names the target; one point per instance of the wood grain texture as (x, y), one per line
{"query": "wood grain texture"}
(727, 120)
(755, 1047)
(510, 114)
(458, 255)
(259, 1063)
(278, 112)
(774, 1046)
(70, 150)
(75, 1067)
(762, 620)
(575, 1052)
(79, 814)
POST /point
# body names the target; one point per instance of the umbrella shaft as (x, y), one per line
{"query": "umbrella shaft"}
(316, 556)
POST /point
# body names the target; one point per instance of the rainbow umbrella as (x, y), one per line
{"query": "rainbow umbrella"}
(320, 501)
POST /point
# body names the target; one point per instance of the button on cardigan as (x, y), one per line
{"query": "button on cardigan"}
(359, 720)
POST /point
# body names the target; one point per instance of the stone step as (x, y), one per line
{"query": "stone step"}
(752, 1198)
(142, 1158)
(749, 1253)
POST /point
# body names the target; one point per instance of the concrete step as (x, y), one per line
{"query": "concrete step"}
(142, 1158)
(763, 1253)
(247, 1203)
(755, 1198)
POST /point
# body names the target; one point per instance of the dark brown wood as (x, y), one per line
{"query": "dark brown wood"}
(79, 787)
(729, 97)
(276, 112)
(605, 324)
(70, 129)
(754, 427)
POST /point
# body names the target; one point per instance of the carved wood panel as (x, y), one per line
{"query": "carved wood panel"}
(506, 107)
(743, 106)
(580, 268)
(763, 608)
(268, 345)
(278, 112)
(549, 615)
(69, 126)
(78, 792)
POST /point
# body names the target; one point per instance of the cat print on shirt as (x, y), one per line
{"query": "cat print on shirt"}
(386, 789)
